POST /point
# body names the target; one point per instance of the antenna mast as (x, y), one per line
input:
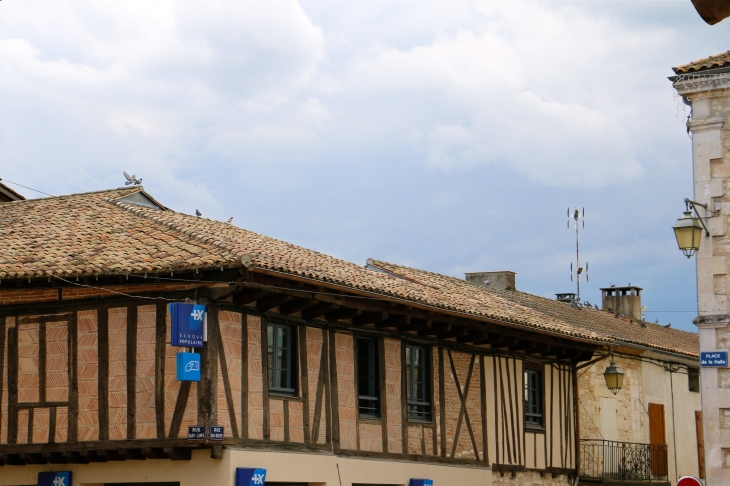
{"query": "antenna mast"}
(579, 222)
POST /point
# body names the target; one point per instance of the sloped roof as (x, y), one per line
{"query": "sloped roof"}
(101, 233)
(619, 329)
(711, 62)
(8, 194)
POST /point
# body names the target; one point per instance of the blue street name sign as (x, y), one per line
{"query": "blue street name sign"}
(58, 478)
(188, 366)
(187, 324)
(196, 432)
(216, 432)
(713, 359)
(246, 476)
(421, 482)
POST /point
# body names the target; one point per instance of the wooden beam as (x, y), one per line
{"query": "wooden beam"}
(369, 318)
(131, 372)
(270, 301)
(394, 320)
(471, 337)
(455, 331)
(341, 313)
(523, 345)
(207, 386)
(73, 380)
(434, 329)
(160, 338)
(103, 375)
(315, 311)
(247, 296)
(295, 305)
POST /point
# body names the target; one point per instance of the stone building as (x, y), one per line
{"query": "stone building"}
(704, 85)
(318, 370)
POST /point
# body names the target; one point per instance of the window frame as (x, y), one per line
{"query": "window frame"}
(412, 406)
(693, 374)
(529, 369)
(373, 377)
(274, 387)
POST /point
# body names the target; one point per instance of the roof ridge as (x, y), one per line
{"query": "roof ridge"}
(76, 194)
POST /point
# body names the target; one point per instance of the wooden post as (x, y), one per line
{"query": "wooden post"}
(131, 372)
(207, 387)
(103, 375)
(73, 380)
(160, 334)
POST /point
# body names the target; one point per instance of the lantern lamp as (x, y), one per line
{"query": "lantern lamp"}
(614, 377)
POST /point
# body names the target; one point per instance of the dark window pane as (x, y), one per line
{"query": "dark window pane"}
(417, 379)
(368, 400)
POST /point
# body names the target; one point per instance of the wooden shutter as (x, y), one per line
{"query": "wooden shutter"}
(657, 438)
(700, 444)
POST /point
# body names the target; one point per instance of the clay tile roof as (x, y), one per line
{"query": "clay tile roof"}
(621, 330)
(711, 62)
(99, 233)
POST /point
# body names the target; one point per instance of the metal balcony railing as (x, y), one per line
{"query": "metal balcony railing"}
(622, 461)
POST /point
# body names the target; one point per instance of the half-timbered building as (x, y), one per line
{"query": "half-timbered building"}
(320, 371)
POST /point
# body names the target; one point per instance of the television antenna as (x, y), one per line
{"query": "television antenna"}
(578, 220)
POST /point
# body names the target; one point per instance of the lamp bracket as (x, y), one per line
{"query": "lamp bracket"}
(593, 361)
(693, 204)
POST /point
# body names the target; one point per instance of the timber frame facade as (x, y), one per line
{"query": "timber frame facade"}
(88, 375)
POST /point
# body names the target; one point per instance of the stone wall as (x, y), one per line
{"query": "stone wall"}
(530, 478)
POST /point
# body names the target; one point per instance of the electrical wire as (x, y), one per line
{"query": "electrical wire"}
(26, 187)
(112, 291)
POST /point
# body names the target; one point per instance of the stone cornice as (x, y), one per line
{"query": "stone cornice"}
(694, 83)
(710, 321)
(713, 122)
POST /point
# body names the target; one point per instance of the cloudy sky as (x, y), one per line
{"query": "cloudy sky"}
(447, 135)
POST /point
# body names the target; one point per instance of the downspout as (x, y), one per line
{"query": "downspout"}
(674, 429)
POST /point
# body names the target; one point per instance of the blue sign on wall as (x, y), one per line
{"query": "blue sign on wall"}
(421, 482)
(196, 432)
(713, 359)
(59, 478)
(250, 477)
(187, 324)
(216, 432)
(188, 366)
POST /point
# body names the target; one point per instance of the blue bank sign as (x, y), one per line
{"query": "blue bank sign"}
(188, 366)
(188, 324)
(62, 478)
(713, 359)
(250, 477)
(421, 482)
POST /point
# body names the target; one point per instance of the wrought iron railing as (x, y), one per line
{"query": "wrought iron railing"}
(623, 461)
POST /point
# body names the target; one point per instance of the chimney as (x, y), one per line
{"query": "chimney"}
(625, 301)
(567, 297)
(504, 280)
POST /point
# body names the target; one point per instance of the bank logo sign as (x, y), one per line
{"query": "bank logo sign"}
(710, 359)
(421, 482)
(62, 478)
(188, 367)
(250, 477)
(188, 324)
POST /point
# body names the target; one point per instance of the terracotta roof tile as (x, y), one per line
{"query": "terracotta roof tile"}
(716, 61)
(604, 323)
(96, 233)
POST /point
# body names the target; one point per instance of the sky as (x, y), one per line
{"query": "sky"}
(450, 136)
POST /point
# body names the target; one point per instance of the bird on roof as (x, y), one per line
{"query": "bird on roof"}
(612, 285)
(198, 213)
(229, 220)
(132, 179)
(668, 325)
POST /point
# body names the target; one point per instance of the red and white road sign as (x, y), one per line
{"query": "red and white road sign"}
(689, 481)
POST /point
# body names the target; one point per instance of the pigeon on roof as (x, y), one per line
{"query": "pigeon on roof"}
(132, 180)
(198, 213)
(229, 220)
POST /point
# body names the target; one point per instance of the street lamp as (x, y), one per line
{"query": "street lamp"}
(614, 377)
(688, 229)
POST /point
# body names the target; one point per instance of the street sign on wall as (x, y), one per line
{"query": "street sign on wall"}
(216, 432)
(246, 476)
(710, 359)
(56, 478)
(188, 324)
(188, 366)
(196, 432)
(689, 481)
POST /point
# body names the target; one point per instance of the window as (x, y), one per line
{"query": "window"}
(367, 378)
(693, 376)
(281, 358)
(533, 397)
(417, 377)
